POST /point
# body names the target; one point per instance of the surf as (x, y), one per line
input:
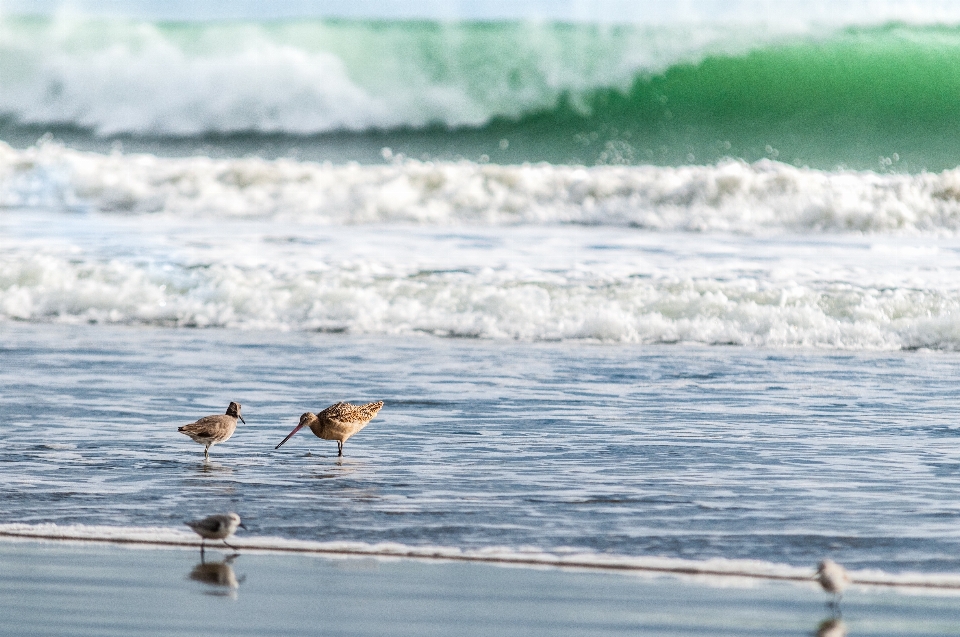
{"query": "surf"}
(865, 97)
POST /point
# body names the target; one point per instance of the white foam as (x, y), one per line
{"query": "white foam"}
(733, 196)
(840, 260)
(500, 304)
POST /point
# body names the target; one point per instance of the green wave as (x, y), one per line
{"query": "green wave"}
(886, 97)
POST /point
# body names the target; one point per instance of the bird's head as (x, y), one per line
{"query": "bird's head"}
(233, 409)
(306, 420)
(826, 565)
(235, 521)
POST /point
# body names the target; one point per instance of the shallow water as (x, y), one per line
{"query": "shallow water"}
(671, 451)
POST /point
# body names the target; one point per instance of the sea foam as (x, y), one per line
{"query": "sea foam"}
(384, 287)
(529, 252)
(732, 196)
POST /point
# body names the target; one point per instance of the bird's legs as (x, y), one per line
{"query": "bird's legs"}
(206, 452)
(834, 605)
(339, 448)
(232, 548)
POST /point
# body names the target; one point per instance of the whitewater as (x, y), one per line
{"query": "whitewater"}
(823, 90)
(761, 254)
(313, 76)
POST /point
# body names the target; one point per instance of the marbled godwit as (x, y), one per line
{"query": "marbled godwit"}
(833, 578)
(216, 527)
(337, 422)
(210, 430)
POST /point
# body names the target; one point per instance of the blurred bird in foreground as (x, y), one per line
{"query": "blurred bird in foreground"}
(833, 578)
(216, 527)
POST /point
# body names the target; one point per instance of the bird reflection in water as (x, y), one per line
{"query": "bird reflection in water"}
(219, 576)
(832, 627)
(213, 468)
(339, 469)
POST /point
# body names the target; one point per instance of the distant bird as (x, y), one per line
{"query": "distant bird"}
(337, 422)
(833, 578)
(211, 430)
(216, 527)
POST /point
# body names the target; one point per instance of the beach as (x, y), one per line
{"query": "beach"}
(69, 589)
(662, 304)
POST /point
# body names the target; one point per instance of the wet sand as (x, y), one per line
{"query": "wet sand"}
(66, 588)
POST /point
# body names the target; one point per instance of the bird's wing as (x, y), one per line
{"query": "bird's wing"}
(370, 409)
(205, 424)
(345, 412)
(213, 524)
(339, 411)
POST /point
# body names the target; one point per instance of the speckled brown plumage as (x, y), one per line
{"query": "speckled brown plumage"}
(337, 422)
(211, 430)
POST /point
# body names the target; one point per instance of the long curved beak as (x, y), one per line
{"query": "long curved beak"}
(243, 526)
(289, 435)
(241, 419)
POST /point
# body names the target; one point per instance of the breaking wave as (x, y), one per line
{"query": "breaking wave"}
(287, 278)
(732, 196)
(313, 76)
(566, 93)
(293, 289)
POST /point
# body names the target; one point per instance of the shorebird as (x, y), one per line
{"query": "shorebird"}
(210, 430)
(337, 422)
(833, 578)
(216, 527)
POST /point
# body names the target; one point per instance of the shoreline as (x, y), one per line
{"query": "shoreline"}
(722, 570)
(63, 589)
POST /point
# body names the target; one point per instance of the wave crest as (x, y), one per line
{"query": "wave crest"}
(315, 76)
(563, 93)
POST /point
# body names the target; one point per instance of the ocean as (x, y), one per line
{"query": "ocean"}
(638, 292)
